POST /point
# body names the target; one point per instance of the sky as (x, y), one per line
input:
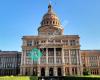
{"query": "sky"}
(22, 17)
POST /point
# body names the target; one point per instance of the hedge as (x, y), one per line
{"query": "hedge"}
(71, 78)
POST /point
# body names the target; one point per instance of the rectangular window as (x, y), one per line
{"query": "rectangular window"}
(29, 43)
(58, 51)
(72, 42)
(65, 42)
(43, 41)
(73, 52)
(58, 41)
(27, 52)
(66, 53)
(58, 60)
(43, 60)
(74, 60)
(66, 60)
(36, 42)
(50, 52)
(28, 61)
(51, 60)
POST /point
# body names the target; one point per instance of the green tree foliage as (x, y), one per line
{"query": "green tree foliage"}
(86, 72)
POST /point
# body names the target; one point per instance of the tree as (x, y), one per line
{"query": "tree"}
(86, 72)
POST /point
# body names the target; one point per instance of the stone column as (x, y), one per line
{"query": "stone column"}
(21, 71)
(32, 42)
(69, 42)
(47, 71)
(24, 71)
(38, 61)
(80, 62)
(25, 60)
(22, 62)
(77, 57)
(63, 71)
(31, 71)
(55, 71)
(88, 64)
(24, 57)
(39, 71)
(63, 60)
(46, 55)
(70, 68)
(54, 55)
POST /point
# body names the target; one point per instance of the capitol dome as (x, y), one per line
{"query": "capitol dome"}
(50, 18)
(50, 23)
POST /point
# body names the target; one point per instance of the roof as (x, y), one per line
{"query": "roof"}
(10, 52)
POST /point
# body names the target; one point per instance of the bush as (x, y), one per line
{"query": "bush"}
(71, 78)
(81, 78)
(33, 78)
(86, 72)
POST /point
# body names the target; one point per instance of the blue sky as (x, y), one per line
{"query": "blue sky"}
(23, 17)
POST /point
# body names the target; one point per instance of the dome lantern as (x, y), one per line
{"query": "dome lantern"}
(49, 8)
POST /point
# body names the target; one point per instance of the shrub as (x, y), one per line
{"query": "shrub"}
(86, 72)
(33, 78)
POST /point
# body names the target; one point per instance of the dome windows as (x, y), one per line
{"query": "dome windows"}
(53, 22)
(50, 22)
(47, 22)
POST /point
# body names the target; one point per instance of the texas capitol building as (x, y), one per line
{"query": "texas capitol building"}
(61, 53)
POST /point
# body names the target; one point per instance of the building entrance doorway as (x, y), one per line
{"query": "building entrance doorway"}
(51, 72)
(42, 72)
(59, 72)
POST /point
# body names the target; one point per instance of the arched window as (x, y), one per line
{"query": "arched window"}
(56, 22)
(50, 22)
(44, 22)
(53, 22)
(47, 22)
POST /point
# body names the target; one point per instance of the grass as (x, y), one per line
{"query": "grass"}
(36, 78)
(15, 78)
(92, 76)
(18, 78)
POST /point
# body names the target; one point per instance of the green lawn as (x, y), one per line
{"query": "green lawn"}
(14, 78)
(17, 78)
(92, 76)
(36, 78)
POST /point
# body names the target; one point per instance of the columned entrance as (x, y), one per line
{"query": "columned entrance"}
(59, 72)
(51, 72)
(42, 72)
